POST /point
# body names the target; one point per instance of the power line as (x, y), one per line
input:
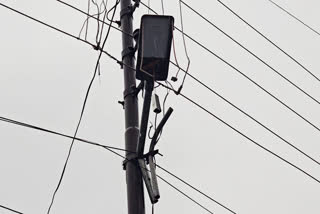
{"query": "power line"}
(28, 125)
(184, 194)
(82, 111)
(115, 59)
(242, 134)
(194, 188)
(234, 129)
(242, 74)
(295, 17)
(252, 54)
(206, 86)
(109, 148)
(75, 138)
(269, 40)
(12, 210)
(253, 119)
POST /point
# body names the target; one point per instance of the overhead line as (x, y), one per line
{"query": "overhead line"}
(82, 111)
(115, 59)
(109, 148)
(28, 125)
(209, 88)
(295, 17)
(236, 130)
(119, 62)
(12, 210)
(269, 40)
(59, 30)
(242, 134)
(194, 188)
(252, 118)
(251, 53)
(245, 76)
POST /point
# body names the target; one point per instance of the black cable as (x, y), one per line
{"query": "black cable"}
(12, 210)
(184, 194)
(254, 82)
(27, 125)
(162, 7)
(115, 59)
(185, 47)
(91, 16)
(200, 82)
(82, 112)
(242, 134)
(85, 23)
(269, 40)
(194, 188)
(251, 53)
(255, 120)
(241, 73)
(295, 17)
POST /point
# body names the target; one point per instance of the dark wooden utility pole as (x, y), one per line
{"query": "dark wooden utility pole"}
(135, 194)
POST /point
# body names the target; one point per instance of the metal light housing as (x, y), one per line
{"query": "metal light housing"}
(154, 47)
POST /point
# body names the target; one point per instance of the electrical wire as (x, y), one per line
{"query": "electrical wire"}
(82, 112)
(30, 126)
(255, 120)
(243, 135)
(248, 115)
(184, 194)
(12, 210)
(185, 47)
(162, 7)
(236, 130)
(242, 74)
(295, 17)
(269, 40)
(85, 23)
(119, 62)
(210, 113)
(251, 53)
(194, 188)
(206, 86)
(91, 16)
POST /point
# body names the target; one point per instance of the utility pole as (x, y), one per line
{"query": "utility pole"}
(135, 193)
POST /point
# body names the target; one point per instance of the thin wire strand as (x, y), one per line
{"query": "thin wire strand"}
(242, 74)
(184, 45)
(12, 210)
(115, 59)
(295, 17)
(91, 16)
(269, 40)
(194, 188)
(251, 53)
(28, 125)
(162, 7)
(252, 118)
(203, 84)
(81, 115)
(243, 135)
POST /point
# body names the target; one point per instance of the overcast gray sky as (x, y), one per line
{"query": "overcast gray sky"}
(45, 74)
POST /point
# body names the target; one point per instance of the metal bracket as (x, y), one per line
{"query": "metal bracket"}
(129, 51)
(133, 90)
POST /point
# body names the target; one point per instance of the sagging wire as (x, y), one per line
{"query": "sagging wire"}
(113, 8)
(185, 48)
(86, 22)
